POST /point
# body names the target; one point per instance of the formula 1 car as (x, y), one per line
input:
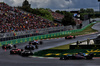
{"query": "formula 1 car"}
(31, 47)
(8, 46)
(35, 42)
(16, 51)
(77, 56)
(31, 42)
(26, 53)
(70, 37)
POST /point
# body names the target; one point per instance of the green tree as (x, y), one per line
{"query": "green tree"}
(83, 16)
(87, 13)
(45, 13)
(82, 10)
(26, 4)
(89, 10)
(58, 11)
(68, 19)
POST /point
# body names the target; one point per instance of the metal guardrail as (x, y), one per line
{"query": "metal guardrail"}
(29, 33)
(15, 40)
(43, 31)
(36, 31)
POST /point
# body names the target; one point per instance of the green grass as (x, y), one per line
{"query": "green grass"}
(88, 30)
(61, 50)
(62, 47)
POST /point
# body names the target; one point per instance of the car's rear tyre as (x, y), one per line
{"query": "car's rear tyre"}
(36, 47)
(65, 37)
(11, 52)
(74, 37)
(32, 48)
(9, 47)
(61, 58)
(88, 57)
(31, 53)
(40, 42)
(65, 57)
(19, 52)
(26, 48)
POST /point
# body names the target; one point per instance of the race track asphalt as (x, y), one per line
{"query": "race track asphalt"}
(15, 60)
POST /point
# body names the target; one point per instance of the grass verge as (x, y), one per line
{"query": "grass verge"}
(64, 49)
(61, 52)
(88, 30)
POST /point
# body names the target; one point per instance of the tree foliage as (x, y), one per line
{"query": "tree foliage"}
(26, 4)
(84, 16)
(88, 10)
(45, 13)
(82, 10)
(61, 12)
(85, 13)
(39, 11)
(68, 19)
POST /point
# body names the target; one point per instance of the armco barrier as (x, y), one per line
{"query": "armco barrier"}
(16, 41)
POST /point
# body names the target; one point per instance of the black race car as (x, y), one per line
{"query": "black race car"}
(31, 47)
(77, 56)
(8, 46)
(16, 51)
(35, 42)
(26, 53)
(70, 37)
(31, 42)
